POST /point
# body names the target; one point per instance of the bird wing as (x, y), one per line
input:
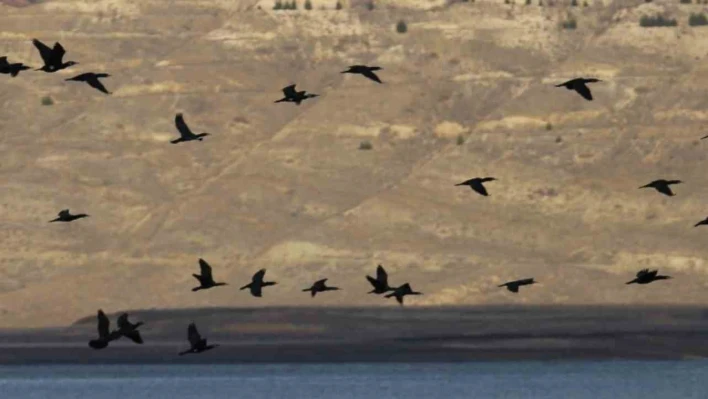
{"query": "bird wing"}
(381, 275)
(205, 270)
(583, 90)
(320, 282)
(122, 322)
(103, 325)
(373, 281)
(134, 336)
(96, 84)
(58, 53)
(479, 188)
(664, 189)
(642, 272)
(371, 75)
(399, 298)
(193, 335)
(182, 127)
(525, 281)
(258, 277)
(512, 287)
(44, 51)
(63, 212)
(256, 290)
(290, 91)
(3, 61)
(652, 273)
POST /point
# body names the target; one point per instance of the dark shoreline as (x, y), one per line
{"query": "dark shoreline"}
(380, 335)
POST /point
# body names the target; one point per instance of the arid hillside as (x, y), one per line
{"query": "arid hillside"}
(468, 92)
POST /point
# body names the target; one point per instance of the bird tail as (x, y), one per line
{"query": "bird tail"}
(198, 288)
(245, 286)
(631, 282)
(185, 352)
(55, 220)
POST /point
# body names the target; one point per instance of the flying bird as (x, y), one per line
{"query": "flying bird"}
(11, 69)
(366, 71)
(92, 80)
(645, 276)
(104, 334)
(477, 185)
(294, 96)
(206, 280)
(662, 186)
(513, 286)
(128, 329)
(319, 286)
(380, 283)
(185, 132)
(402, 291)
(66, 216)
(701, 223)
(257, 283)
(579, 86)
(53, 57)
(196, 342)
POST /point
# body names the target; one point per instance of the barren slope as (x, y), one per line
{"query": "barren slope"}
(285, 187)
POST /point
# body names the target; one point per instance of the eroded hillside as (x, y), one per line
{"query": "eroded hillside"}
(468, 92)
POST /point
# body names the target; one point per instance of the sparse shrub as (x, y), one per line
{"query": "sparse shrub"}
(278, 5)
(401, 27)
(308, 5)
(657, 21)
(540, 3)
(46, 100)
(528, 2)
(460, 139)
(585, 4)
(573, 3)
(685, 1)
(293, 5)
(507, 1)
(569, 24)
(366, 145)
(549, 126)
(370, 5)
(338, 6)
(697, 20)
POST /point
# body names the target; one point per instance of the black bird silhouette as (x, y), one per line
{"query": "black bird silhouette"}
(380, 283)
(52, 57)
(662, 186)
(477, 185)
(513, 286)
(205, 279)
(104, 334)
(701, 223)
(128, 329)
(579, 86)
(11, 69)
(704, 137)
(65, 216)
(185, 132)
(196, 342)
(366, 71)
(645, 276)
(257, 284)
(402, 291)
(92, 80)
(319, 286)
(294, 96)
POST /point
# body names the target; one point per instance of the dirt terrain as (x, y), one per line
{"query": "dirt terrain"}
(468, 92)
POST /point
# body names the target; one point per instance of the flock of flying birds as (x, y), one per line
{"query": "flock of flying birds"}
(53, 59)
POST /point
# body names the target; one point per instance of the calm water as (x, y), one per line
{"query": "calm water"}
(547, 380)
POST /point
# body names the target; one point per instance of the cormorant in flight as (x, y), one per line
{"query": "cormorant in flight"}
(645, 276)
(11, 69)
(104, 334)
(196, 342)
(92, 80)
(185, 132)
(662, 186)
(402, 291)
(579, 86)
(257, 283)
(366, 71)
(206, 280)
(380, 283)
(477, 185)
(52, 57)
(319, 286)
(294, 96)
(128, 329)
(513, 286)
(65, 216)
